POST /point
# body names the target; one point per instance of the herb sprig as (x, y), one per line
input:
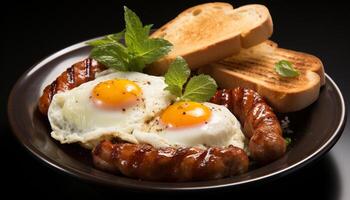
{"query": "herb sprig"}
(139, 49)
(199, 88)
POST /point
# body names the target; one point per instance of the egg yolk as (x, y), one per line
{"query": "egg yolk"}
(182, 114)
(116, 94)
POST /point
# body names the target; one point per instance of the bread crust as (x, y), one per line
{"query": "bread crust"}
(254, 68)
(202, 41)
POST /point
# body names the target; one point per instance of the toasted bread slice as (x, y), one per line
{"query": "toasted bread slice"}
(255, 68)
(212, 31)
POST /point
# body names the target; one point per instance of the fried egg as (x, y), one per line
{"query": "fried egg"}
(188, 124)
(112, 105)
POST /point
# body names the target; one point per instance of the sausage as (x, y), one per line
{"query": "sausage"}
(169, 164)
(260, 124)
(79, 73)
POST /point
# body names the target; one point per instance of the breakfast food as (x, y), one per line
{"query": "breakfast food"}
(260, 124)
(212, 31)
(111, 105)
(188, 124)
(254, 68)
(168, 163)
(180, 127)
(74, 76)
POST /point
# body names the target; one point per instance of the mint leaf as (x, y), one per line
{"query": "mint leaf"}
(288, 140)
(147, 29)
(153, 49)
(107, 39)
(145, 50)
(135, 34)
(150, 51)
(136, 63)
(200, 88)
(177, 76)
(285, 69)
(139, 50)
(112, 55)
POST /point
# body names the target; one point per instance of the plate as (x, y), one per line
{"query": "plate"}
(316, 129)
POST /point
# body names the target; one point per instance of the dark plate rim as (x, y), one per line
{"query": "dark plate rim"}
(159, 186)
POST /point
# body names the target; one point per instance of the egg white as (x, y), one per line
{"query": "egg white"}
(221, 130)
(74, 118)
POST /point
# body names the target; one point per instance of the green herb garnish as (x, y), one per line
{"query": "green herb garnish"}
(138, 51)
(285, 68)
(199, 88)
(177, 76)
(112, 38)
(288, 140)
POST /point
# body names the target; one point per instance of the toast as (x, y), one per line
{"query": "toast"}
(255, 68)
(210, 32)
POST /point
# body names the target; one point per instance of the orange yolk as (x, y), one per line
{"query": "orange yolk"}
(182, 114)
(116, 94)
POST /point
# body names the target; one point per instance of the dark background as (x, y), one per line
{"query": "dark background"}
(33, 31)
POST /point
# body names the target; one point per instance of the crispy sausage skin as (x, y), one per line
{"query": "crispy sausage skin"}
(259, 122)
(74, 76)
(143, 161)
(170, 164)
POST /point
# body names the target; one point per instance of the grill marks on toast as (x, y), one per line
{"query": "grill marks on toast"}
(254, 68)
(260, 64)
(263, 71)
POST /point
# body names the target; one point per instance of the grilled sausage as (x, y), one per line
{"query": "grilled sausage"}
(74, 76)
(170, 164)
(259, 122)
(260, 125)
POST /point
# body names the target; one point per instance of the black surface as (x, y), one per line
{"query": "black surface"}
(33, 31)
